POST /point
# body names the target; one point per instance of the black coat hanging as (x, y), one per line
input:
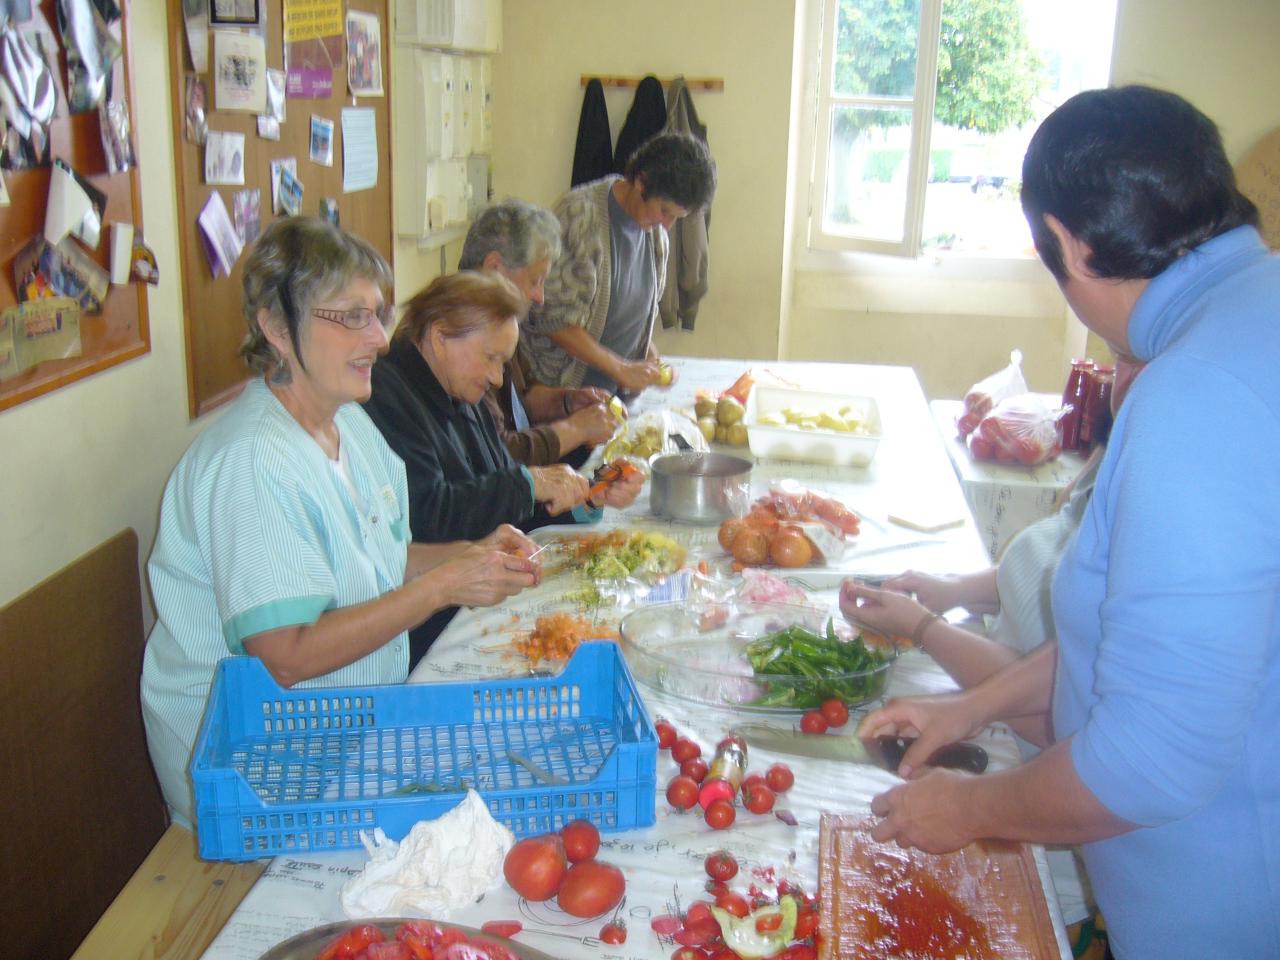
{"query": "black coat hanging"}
(647, 117)
(593, 154)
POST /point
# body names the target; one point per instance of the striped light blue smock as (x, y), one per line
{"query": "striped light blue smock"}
(257, 532)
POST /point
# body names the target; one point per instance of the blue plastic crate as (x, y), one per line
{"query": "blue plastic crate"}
(290, 771)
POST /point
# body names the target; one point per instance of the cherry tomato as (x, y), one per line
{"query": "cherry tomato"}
(591, 888)
(759, 799)
(685, 749)
(733, 903)
(615, 932)
(695, 933)
(682, 792)
(688, 953)
(535, 866)
(666, 734)
(834, 712)
(664, 925)
(806, 924)
(581, 840)
(695, 769)
(721, 865)
(698, 910)
(720, 814)
(502, 928)
(813, 722)
(751, 780)
(779, 778)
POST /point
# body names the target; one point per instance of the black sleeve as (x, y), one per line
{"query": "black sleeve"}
(447, 500)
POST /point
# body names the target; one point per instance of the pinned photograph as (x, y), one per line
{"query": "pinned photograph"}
(195, 126)
(290, 192)
(246, 206)
(275, 95)
(41, 269)
(321, 141)
(221, 245)
(364, 54)
(284, 163)
(224, 158)
(234, 11)
(239, 71)
(329, 210)
(268, 128)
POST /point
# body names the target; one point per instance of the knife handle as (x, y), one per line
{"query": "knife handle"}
(954, 756)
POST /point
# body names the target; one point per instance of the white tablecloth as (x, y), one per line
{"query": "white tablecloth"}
(663, 863)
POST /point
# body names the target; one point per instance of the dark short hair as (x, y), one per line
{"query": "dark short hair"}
(296, 263)
(1138, 174)
(675, 167)
(460, 304)
(519, 232)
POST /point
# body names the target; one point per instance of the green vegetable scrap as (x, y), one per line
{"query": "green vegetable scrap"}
(824, 666)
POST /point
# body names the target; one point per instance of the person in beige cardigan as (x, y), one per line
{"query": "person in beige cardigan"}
(602, 296)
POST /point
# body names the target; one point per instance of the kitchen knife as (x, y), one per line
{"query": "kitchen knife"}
(883, 752)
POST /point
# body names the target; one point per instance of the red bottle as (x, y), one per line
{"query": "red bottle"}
(1074, 397)
(726, 772)
(1095, 425)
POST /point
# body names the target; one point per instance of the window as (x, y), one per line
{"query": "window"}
(925, 108)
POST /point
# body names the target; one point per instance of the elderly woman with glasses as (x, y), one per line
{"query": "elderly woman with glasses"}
(284, 529)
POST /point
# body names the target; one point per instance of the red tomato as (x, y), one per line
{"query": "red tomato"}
(581, 840)
(665, 924)
(769, 922)
(666, 734)
(502, 928)
(759, 799)
(352, 942)
(779, 778)
(721, 865)
(752, 779)
(688, 953)
(720, 814)
(386, 950)
(591, 888)
(698, 910)
(535, 866)
(419, 949)
(813, 722)
(615, 932)
(734, 903)
(682, 792)
(685, 749)
(798, 951)
(834, 712)
(806, 924)
(697, 932)
(695, 769)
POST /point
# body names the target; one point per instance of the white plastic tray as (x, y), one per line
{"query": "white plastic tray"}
(812, 446)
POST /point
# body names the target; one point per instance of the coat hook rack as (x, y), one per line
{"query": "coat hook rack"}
(705, 84)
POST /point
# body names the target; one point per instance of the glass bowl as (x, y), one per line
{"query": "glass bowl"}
(699, 652)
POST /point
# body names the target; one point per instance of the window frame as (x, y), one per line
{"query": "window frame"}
(921, 103)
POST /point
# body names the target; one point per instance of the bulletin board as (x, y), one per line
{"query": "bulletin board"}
(120, 331)
(214, 322)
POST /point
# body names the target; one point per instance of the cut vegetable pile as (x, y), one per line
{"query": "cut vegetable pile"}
(825, 665)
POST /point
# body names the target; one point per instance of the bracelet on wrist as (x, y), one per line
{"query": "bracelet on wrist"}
(917, 635)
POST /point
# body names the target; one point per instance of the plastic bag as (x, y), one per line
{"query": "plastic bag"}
(652, 434)
(989, 391)
(1021, 429)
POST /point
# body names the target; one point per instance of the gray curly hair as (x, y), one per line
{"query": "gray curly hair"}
(519, 232)
(296, 263)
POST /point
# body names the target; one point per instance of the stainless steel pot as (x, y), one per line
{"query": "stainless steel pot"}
(700, 487)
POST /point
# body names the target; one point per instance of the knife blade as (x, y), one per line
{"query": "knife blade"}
(884, 752)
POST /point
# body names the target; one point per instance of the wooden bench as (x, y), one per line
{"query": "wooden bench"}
(83, 809)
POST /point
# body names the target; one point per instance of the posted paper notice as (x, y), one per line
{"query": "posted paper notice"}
(359, 149)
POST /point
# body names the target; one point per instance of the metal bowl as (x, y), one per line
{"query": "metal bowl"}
(700, 487)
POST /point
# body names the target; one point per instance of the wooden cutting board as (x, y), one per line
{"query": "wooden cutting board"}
(983, 902)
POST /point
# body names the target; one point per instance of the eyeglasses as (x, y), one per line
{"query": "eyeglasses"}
(354, 318)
